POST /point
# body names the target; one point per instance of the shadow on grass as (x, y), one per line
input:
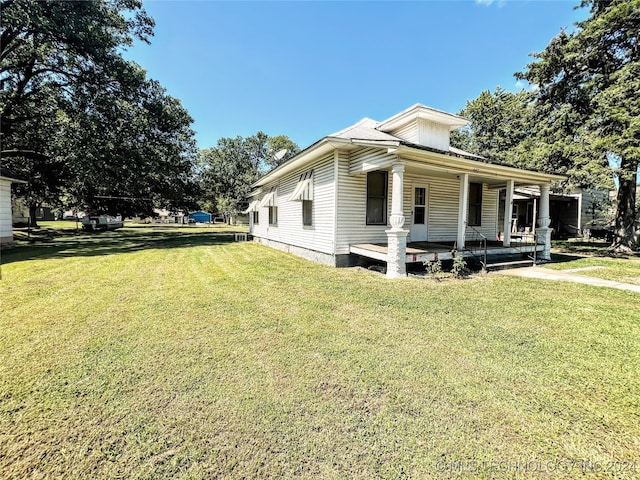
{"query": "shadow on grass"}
(53, 243)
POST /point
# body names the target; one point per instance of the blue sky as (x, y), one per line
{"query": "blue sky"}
(308, 69)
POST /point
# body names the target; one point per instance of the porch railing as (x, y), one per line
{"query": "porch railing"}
(476, 244)
(526, 240)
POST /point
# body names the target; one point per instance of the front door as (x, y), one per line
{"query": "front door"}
(419, 214)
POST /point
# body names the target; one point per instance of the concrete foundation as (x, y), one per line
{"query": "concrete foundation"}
(313, 255)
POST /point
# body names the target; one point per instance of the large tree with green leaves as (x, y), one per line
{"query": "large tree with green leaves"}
(132, 149)
(500, 122)
(587, 85)
(228, 169)
(79, 120)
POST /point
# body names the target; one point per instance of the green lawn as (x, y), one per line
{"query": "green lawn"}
(591, 259)
(175, 353)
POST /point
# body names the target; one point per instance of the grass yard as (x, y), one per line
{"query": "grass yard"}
(176, 353)
(596, 263)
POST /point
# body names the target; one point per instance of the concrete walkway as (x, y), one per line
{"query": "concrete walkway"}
(566, 276)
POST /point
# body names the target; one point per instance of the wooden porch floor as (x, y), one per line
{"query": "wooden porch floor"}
(428, 251)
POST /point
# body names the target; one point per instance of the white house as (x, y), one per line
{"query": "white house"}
(395, 191)
(7, 177)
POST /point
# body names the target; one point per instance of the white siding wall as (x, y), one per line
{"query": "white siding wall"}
(352, 199)
(490, 226)
(5, 210)
(289, 230)
(425, 132)
(409, 133)
(442, 209)
(433, 134)
(370, 159)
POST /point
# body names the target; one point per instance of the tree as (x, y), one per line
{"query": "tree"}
(57, 44)
(587, 101)
(80, 121)
(228, 170)
(500, 122)
(133, 149)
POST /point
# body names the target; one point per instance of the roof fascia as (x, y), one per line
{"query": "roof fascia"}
(13, 180)
(464, 165)
(420, 111)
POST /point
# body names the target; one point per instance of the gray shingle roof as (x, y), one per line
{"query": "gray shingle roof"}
(365, 129)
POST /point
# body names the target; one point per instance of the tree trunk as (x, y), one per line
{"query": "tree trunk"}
(626, 209)
(32, 215)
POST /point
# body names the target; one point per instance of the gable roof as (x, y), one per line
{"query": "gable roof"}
(365, 129)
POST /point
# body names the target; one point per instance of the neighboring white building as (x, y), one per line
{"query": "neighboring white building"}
(372, 187)
(7, 177)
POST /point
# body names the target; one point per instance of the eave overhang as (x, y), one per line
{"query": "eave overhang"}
(420, 111)
(321, 147)
(456, 164)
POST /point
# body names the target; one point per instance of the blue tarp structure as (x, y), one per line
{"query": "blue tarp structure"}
(200, 217)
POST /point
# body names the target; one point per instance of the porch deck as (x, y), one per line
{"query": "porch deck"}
(428, 251)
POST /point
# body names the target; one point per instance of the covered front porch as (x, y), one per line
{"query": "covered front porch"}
(419, 252)
(466, 238)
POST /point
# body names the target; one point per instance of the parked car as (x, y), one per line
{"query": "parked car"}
(96, 223)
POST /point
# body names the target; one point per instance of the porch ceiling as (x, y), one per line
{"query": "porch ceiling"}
(424, 169)
(435, 164)
(495, 176)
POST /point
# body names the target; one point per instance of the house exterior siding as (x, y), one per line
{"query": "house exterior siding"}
(289, 229)
(408, 133)
(351, 209)
(6, 232)
(442, 209)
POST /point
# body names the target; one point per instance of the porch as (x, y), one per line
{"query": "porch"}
(418, 252)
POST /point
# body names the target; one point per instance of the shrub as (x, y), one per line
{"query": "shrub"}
(459, 268)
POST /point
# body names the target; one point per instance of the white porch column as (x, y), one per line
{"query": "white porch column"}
(544, 220)
(508, 211)
(396, 236)
(543, 216)
(463, 208)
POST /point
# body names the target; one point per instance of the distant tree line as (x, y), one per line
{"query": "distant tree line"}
(227, 171)
(582, 116)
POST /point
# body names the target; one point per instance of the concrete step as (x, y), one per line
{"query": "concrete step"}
(507, 265)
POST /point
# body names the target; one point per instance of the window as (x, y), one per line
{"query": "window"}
(377, 198)
(304, 193)
(270, 200)
(307, 213)
(474, 217)
(419, 207)
(273, 215)
(256, 217)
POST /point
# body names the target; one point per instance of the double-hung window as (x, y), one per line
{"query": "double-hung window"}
(303, 193)
(270, 201)
(474, 217)
(377, 197)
